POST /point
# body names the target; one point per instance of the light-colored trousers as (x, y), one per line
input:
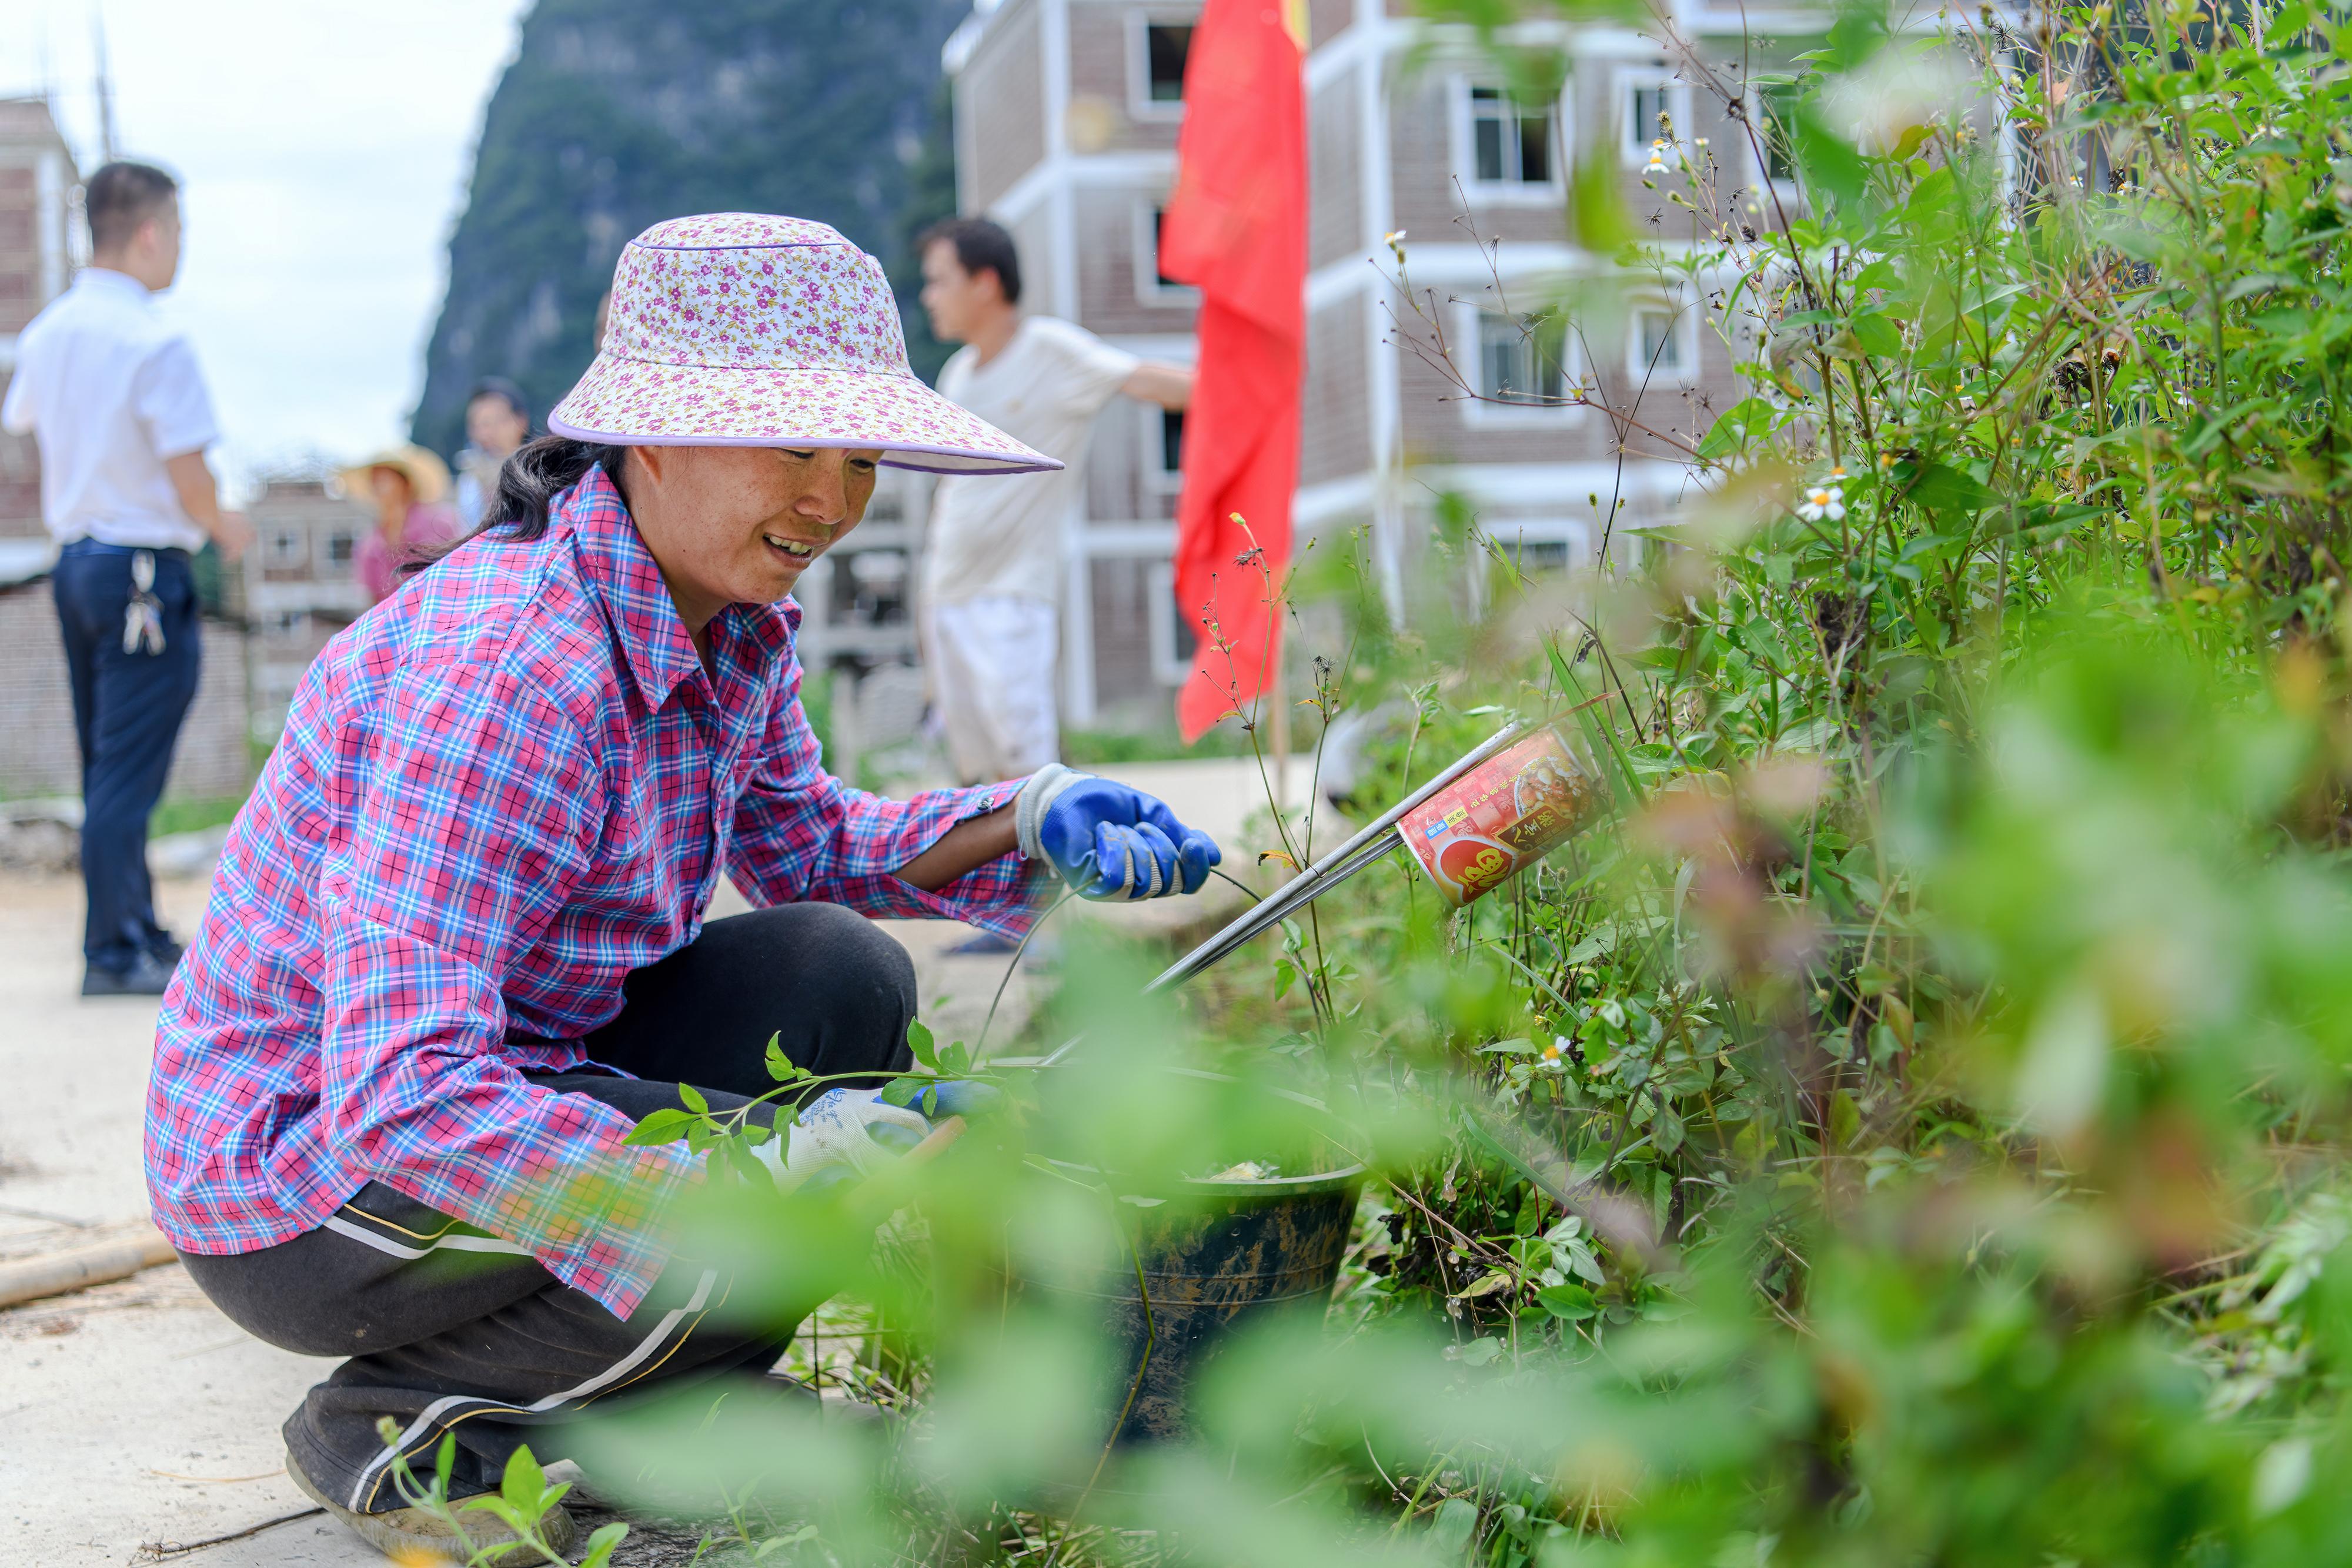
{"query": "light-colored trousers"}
(993, 672)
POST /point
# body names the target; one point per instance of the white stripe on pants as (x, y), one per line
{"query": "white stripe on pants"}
(992, 670)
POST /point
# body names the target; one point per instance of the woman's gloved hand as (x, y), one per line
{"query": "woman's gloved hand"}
(1107, 841)
(840, 1135)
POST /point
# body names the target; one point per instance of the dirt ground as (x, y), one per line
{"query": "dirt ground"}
(134, 1415)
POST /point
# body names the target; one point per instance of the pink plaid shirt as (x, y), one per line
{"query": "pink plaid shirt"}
(498, 793)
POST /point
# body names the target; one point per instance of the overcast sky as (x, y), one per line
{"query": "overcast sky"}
(324, 147)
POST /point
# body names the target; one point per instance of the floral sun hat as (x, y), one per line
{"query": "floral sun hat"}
(744, 329)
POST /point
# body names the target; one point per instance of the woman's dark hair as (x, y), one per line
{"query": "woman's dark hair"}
(541, 470)
(528, 482)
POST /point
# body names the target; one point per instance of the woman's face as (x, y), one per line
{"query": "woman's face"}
(393, 491)
(737, 525)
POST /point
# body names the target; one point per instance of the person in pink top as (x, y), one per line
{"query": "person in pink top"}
(413, 522)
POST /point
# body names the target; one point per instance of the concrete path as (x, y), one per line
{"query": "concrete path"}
(135, 1413)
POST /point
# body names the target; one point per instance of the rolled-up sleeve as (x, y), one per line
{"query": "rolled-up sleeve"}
(802, 836)
(476, 806)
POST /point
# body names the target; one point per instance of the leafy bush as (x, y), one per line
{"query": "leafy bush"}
(1902, 1128)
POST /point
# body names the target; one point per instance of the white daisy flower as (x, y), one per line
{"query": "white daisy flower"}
(1822, 501)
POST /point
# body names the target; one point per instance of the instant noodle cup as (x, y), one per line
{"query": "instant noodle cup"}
(1500, 818)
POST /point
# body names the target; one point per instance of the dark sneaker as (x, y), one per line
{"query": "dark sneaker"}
(410, 1535)
(165, 951)
(147, 976)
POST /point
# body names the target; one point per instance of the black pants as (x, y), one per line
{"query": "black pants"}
(127, 712)
(452, 1329)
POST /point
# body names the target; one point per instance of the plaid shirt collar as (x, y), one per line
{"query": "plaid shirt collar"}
(749, 641)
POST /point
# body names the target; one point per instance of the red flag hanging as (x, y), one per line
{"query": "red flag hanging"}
(1236, 228)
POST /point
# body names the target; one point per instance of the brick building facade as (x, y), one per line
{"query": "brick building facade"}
(1066, 117)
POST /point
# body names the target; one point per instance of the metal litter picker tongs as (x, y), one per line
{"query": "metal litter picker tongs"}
(1375, 841)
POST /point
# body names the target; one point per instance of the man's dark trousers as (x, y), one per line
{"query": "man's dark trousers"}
(128, 707)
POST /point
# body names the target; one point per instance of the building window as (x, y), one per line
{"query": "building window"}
(1153, 286)
(1158, 48)
(1510, 143)
(1165, 47)
(1163, 449)
(286, 547)
(1659, 344)
(341, 546)
(1655, 109)
(1172, 640)
(1520, 358)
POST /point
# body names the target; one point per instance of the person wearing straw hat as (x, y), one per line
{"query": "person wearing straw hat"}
(457, 947)
(413, 522)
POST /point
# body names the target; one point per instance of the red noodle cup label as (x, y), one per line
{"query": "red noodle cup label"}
(1499, 818)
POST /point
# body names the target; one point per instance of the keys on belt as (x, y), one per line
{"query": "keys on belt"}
(142, 620)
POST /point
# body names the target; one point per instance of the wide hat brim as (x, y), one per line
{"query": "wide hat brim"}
(640, 403)
(428, 476)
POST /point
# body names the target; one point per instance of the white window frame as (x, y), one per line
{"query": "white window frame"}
(298, 539)
(1684, 327)
(1140, 104)
(1508, 193)
(1159, 609)
(1470, 357)
(1647, 76)
(1157, 480)
(1148, 289)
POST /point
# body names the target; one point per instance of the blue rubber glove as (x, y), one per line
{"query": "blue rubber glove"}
(1107, 840)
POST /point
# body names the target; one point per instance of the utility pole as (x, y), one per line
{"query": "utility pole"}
(105, 84)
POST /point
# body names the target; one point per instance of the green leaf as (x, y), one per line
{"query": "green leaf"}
(522, 1483)
(1877, 337)
(601, 1544)
(956, 1061)
(1668, 1130)
(780, 1066)
(903, 1091)
(445, 1462)
(1830, 165)
(1845, 1120)
(1744, 420)
(1480, 1352)
(1602, 223)
(693, 1098)
(1940, 487)
(1570, 1303)
(659, 1127)
(1456, 1521)
(919, 1041)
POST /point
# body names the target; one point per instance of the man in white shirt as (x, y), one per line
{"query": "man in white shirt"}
(113, 398)
(993, 564)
